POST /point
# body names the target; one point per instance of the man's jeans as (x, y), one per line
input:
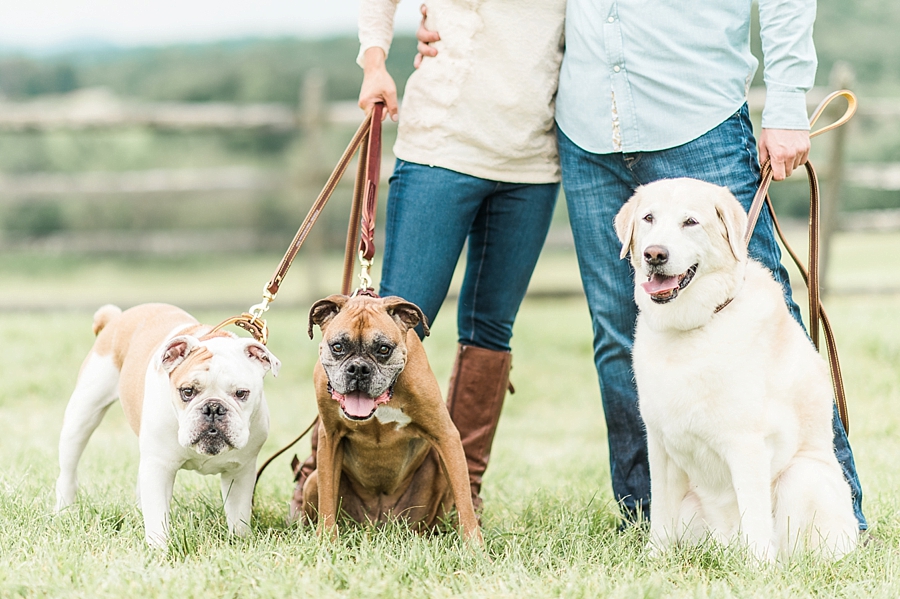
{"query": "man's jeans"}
(431, 212)
(596, 187)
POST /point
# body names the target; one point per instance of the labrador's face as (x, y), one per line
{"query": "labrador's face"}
(678, 232)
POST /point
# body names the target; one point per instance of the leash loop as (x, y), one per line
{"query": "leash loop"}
(852, 104)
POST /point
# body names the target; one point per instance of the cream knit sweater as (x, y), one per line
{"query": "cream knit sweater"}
(484, 105)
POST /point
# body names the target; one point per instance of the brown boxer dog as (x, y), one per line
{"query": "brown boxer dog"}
(387, 447)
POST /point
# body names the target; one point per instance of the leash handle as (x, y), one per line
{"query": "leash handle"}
(817, 315)
(852, 105)
(766, 169)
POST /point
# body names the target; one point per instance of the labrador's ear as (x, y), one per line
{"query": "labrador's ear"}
(176, 350)
(406, 314)
(624, 223)
(732, 216)
(259, 353)
(324, 310)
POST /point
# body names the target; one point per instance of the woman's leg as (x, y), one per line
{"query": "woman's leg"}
(505, 241)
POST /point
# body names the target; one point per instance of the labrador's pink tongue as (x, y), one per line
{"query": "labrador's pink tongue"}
(358, 404)
(660, 283)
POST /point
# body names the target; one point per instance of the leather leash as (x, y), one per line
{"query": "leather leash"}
(817, 313)
(367, 140)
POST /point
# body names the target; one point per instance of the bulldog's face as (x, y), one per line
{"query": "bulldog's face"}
(363, 348)
(217, 385)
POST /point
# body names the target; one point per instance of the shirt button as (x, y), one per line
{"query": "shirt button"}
(617, 68)
(611, 20)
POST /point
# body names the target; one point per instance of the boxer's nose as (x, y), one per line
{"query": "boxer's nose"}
(656, 255)
(213, 410)
(360, 370)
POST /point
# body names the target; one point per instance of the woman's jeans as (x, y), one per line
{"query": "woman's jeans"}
(431, 213)
(596, 187)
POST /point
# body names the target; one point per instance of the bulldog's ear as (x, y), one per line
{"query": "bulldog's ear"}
(176, 350)
(406, 314)
(624, 224)
(731, 214)
(324, 310)
(258, 352)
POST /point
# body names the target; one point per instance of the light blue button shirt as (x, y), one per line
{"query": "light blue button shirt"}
(644, 75)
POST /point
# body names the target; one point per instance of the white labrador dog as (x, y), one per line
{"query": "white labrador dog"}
(736, 400)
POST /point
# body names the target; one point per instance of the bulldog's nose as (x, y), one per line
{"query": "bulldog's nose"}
(359, 369)
(656, 255)
(213, 410)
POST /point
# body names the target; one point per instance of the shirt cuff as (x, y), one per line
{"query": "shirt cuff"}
(785, 110)
(362, 50)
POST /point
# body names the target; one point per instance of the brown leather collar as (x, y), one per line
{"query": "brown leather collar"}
(722, 306)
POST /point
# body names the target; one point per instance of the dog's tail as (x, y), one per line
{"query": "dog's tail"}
(103, 316)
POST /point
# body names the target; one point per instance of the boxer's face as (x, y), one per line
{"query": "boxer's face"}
(363, 349)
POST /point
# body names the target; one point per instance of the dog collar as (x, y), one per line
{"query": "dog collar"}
(723, 305)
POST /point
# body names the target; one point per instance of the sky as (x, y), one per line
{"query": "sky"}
(38, 25)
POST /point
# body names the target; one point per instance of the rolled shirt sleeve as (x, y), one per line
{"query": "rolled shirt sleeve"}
(376, 26)
(789, 59)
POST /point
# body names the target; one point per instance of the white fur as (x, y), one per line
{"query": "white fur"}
(163, 447)
(387, 414)
(737, 404)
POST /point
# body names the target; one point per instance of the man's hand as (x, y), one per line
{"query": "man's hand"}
(787, 149)
(377, 85)
(425, 37)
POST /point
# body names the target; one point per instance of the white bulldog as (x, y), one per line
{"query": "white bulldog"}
(194, 398)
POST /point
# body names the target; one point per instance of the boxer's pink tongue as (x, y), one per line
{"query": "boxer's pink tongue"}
(358, 404)
(658, 283)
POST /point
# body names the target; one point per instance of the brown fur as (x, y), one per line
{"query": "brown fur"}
(131, 338)
(376, 470)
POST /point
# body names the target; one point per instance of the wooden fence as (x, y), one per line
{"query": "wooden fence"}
(96, 109)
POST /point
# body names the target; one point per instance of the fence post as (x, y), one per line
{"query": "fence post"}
(841, 77)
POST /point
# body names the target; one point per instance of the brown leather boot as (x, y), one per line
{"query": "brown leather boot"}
(477, 389)
(302, 472)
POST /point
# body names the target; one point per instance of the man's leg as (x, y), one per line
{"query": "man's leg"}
(596, 187)
(727, 156)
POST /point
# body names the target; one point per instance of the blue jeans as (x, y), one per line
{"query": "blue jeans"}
(431, 212)
(596, 186)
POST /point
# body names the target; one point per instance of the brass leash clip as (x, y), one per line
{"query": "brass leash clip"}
(257, 310)
(365, 279)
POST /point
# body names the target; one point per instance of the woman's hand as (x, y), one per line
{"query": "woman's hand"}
(377, 85)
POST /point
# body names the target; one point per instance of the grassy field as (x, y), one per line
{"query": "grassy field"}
(550, 524)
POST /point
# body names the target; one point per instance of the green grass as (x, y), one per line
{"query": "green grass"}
(550, 523)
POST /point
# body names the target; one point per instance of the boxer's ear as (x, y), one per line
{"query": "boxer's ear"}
(624, 224)
(732, 216)
(324, 310)
(406, 314)
(258, 352)
(176, 350)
